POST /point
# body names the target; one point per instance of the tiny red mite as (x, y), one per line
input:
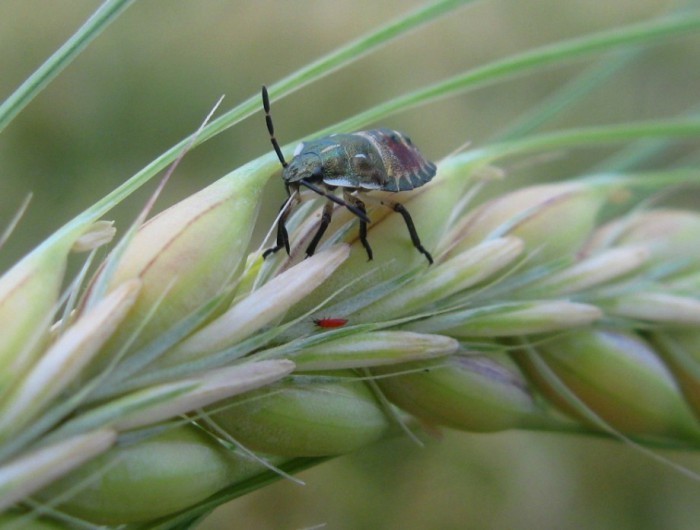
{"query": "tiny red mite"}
(379, 159)
(330, 322)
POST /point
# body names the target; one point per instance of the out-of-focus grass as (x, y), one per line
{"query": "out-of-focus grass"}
(511, 480)
(151, 77)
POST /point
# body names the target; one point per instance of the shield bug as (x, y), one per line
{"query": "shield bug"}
(379, 159)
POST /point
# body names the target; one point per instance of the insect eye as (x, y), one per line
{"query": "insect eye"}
(317, 172)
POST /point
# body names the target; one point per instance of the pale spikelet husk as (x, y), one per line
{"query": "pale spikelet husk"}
(664, 308)
(509, 320)
(532, 212)
(188, 254)
(23, 476)
(374, 349)
(595, 270)
(261, 307)
(209, 388)
(66, 357)
(669, 235)
(28, 295)
(464, 270)
(98, 234)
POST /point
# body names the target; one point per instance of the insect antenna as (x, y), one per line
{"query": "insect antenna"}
(270, 127)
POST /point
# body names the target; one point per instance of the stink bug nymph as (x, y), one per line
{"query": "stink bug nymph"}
(380, 159)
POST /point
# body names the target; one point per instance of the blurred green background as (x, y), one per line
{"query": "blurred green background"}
(149, 80)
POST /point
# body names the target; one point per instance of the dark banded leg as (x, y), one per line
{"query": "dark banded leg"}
(363, 224)
(282, 235)
(363, 232)
(400, 208)
(326, 192)
(326, 216)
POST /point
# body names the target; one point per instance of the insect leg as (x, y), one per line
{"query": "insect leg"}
(400, 208)
(325, 221)
(282, 235)
(363, 232)
(363, 225)
(359, 213)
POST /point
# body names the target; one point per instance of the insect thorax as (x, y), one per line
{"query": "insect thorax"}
(345, 160)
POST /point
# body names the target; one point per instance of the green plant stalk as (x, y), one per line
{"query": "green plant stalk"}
(585, 137)
(571, 93)
(47, 72)
(527, 62)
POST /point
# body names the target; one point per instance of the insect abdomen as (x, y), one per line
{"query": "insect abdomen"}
(405, 167)
(379, 159)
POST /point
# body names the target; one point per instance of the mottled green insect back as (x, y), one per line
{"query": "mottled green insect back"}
(380, 159)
